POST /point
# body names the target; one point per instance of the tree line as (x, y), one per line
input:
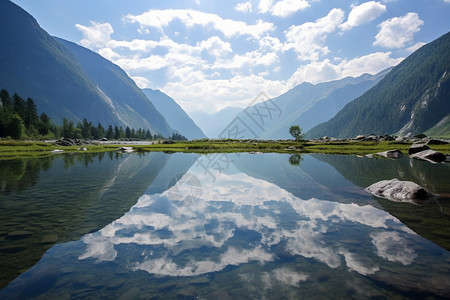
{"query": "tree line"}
(19, 119)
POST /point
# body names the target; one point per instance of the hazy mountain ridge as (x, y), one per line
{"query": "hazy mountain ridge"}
(411, 99)
(177, 118)
(66, 80)
(306, 105)
(213, 124)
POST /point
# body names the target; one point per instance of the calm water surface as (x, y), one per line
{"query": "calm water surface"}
(220, 226)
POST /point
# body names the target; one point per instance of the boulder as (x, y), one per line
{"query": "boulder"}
(400, 139)
(436, 142)
(400, 191)
(429, 155)
(360, 137)
(391, 153)
(420, 136)
(125, 149)
(415, 148)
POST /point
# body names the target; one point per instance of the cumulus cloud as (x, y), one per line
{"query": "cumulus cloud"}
(308, 39)
(161, 18)
(283, 8)
(245, 7)
(398, 31)
(363, 13)
(96, 35)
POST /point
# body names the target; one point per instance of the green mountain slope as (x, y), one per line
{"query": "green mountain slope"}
(411, 99)
(174, 114)
(34, 64)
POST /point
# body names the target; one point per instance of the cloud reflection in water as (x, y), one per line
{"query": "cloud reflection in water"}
(239, 219)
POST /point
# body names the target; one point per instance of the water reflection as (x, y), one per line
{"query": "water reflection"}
(262, 228)
(61, 198)
(431, 220)
(238, 219)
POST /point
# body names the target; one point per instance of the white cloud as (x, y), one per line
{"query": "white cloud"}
(283, 8)
(326, 70)
(245, 7)
(141, 82)
(219, 93)
(392, 247)
(363, 13)
(308, 39)
(216, 47)
(286, 8)
(397, 32)
(108, 53)
(162, 18)
(360, 264)
(96, 35)
(416, 46)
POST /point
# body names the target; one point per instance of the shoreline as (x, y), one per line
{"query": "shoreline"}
(11, 149)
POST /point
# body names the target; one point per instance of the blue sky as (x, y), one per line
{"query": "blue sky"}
(211, 54)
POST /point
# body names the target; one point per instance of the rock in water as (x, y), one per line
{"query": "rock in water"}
(391, 153)
(429, 155)
(400, 191)
(415, 148)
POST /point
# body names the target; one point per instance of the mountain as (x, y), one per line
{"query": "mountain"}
(174, 114)
(72, 83)
(128, 101)
(305, 105)
(412, 98)
(213, 124)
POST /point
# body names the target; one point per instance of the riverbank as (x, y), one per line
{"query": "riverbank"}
(10, 149)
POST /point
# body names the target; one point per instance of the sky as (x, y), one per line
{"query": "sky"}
(208, 55)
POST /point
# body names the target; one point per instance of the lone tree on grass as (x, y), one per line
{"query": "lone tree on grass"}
(296, 132)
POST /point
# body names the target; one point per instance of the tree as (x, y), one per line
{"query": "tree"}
(86, 129)
(15, 127)
(6, 100)
(295, 159)
(44, 124)
(128, 132)
(19, 106)
(68, 130)
(148, 135)
(296, 132)
(109, 133)
(31, 115)
(100, 131)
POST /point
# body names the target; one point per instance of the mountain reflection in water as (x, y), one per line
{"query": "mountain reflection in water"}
(260, 227)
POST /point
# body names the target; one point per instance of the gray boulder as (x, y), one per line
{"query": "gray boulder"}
(391, 153)
(429, 155)
(400, 191)
(415, 148)
(436, 142)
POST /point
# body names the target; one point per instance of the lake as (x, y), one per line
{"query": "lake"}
(220, 226)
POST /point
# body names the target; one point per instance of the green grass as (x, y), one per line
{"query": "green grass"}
(10, 149)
